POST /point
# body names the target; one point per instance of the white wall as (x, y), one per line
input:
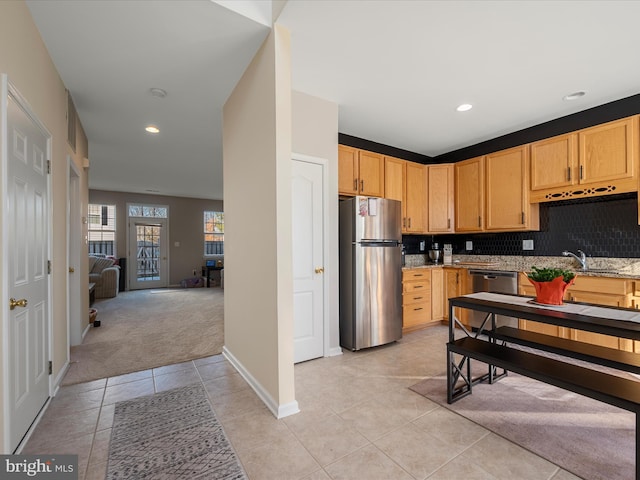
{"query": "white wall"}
(24, 58)
(257, 199)
(315, 133)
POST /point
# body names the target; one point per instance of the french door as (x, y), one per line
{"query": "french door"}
(147, 253)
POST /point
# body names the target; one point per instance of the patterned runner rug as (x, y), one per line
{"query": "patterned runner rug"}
(170, 435)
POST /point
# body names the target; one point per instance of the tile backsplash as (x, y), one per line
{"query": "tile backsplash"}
(600, 226)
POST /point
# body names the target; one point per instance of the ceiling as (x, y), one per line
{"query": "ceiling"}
(397, 69)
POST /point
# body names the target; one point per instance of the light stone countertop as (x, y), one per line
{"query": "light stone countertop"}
(615, 267)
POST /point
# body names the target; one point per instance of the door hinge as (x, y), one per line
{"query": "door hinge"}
(49, 267)
(48, 166)
(50, 367)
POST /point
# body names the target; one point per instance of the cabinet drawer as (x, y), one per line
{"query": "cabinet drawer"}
(611, 286)
(412, 298)
(415, 314)
(414, 287)
(416, 274)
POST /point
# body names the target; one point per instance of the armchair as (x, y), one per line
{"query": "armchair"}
(105, 275)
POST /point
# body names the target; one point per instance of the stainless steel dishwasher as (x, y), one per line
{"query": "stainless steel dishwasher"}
(494, 281)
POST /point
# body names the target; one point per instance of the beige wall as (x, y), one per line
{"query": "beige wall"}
(315, 133)
(258, 282)
(185, 227)
(24, 58)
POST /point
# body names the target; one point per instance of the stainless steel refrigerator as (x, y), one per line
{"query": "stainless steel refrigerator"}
(370, 272)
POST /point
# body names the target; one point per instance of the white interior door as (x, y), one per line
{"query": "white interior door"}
(27, 233)
(308, 261)
(76, 288)
(147, 253)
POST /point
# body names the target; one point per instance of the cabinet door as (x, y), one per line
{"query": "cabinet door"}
(414, 197)
(394, 173)
(371, 174)
(450, 288)
(597, 338)
(440, 198)
(554, 162)
(608, 151)
(347, 170)
(507, 205)
(469, 195)
(437, 293)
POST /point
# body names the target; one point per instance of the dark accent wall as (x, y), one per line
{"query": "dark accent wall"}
(356, 142)
(600, 226)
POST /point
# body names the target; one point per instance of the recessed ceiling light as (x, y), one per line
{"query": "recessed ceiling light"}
(152, 129)
(574, 95)
(464, 107)
(158, 92)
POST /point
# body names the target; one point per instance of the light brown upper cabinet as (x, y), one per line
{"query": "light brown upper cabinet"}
(600, 160)
(469, 195)
(440, 212)
(507, 192)
(360, 172)
(404, 181)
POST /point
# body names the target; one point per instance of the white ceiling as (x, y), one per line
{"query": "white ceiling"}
(397, 69)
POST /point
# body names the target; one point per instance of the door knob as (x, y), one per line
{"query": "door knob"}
(13, 303)
(319, 269)
(71, 269)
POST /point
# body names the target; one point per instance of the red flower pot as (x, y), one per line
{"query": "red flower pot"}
(551, 293)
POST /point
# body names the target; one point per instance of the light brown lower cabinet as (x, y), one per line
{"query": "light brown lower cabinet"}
(456, 283)
(421, 293)
(614, 292)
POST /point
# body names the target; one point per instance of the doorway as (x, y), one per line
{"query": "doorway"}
(25, 191)
(76, 323)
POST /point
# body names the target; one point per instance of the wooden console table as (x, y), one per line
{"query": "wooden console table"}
(490, 345)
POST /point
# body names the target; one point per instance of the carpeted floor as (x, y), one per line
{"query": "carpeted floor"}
(591, 439)
(170, 435)
(149, 328)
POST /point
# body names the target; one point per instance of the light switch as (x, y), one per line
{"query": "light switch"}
(527, 244)
(176, 244)
(469, 245)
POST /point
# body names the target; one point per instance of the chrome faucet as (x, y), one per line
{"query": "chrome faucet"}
(582, 258)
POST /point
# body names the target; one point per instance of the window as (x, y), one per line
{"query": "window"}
(148, 211)
(102, 229)
(213, 233)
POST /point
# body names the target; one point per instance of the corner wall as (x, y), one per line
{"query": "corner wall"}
(258, 316)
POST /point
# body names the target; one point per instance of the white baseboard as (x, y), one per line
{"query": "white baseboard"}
(86, 330)
(335, 351)
(278, 411)
(58, 379)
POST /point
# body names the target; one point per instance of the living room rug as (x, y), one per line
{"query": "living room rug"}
(141, 329)
(170, 435)
(590, 439)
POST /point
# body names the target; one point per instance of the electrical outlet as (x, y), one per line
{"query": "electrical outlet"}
(527, 244)
(469, 245)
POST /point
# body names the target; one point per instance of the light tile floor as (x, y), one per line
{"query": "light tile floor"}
(358, 420)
